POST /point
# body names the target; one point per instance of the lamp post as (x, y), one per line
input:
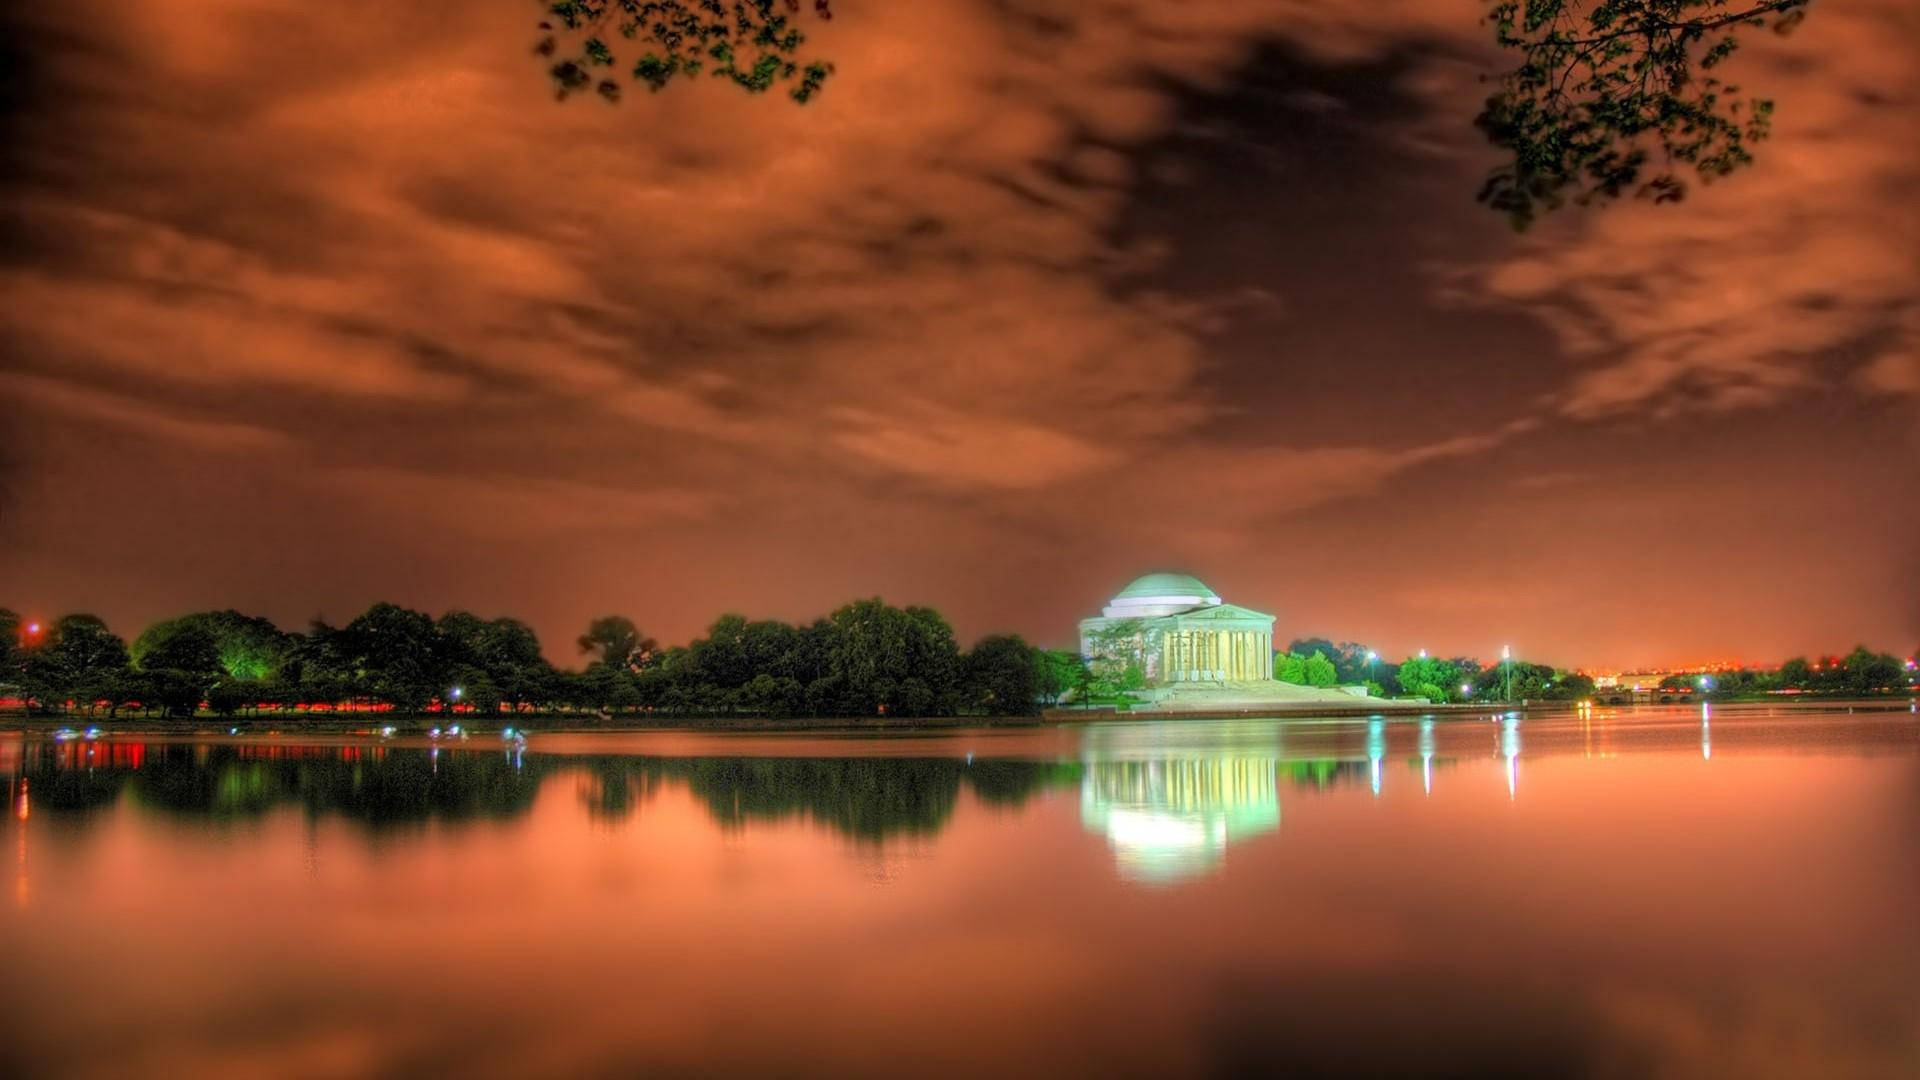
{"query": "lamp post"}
(1372, 656)
(1506, 664)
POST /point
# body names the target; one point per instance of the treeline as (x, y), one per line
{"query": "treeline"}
(1861, 672)
(866, 659)
(1320, 662)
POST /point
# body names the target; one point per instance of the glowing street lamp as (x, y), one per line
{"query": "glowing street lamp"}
(1373, 656)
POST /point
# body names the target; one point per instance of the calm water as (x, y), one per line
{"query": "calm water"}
(1616, 894)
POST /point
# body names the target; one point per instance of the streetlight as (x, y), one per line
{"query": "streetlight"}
(1372, 656)
(1506, 664)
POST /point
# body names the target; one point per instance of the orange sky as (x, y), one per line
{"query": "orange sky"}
(307, 306)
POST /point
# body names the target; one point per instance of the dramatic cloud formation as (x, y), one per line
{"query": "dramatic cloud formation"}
(340, 304)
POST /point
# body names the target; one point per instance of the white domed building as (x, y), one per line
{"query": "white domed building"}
(1180, 631)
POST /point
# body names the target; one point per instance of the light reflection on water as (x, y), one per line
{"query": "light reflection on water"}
(1614, 889)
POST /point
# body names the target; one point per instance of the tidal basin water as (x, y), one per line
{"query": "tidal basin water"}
(1608, 893)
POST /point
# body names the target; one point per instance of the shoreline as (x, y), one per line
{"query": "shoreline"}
(364, 724)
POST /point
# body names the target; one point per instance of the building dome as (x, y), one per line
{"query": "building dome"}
(1160, 594)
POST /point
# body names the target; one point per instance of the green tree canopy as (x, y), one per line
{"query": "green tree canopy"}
(1430, 677)
(1290, 667)
(395, 655)
(1003, 675)
(1318, 670)
(84, 658)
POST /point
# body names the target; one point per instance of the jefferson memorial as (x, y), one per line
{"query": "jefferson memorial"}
(1182, 632)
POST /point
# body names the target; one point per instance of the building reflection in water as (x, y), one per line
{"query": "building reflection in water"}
(1173, 818)
(1170, 800)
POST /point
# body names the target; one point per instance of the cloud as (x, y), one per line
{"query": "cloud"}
(141, 418)
(520, 506)
(929, 441)
(942, 301)
(394, 210)
(1893, 373)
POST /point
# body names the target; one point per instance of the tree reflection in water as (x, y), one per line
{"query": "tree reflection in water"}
(868, 799)
(1168, 811)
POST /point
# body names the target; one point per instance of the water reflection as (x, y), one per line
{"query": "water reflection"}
(1124, 898)
(865, 798)
(1510, 750)
(1426, 755)
(1172, 818)
(1169, 799)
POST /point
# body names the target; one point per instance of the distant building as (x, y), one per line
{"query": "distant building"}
(1181, 631)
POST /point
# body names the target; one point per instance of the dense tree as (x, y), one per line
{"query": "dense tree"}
(1114, 660)
(1308, 669)
(181, 660)
(618, 642)
(12, 649)
(1430, 677)
(244, 646)
(1868, 672)
(1618, 96)
(1349, 658)
(892, 661)
(83, 660)
(395, 656)
(1290, 667)
(1318, 670)
(1003, 675)
(494, 662)
(1060, 671)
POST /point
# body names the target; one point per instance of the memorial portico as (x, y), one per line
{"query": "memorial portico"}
(1181, 631)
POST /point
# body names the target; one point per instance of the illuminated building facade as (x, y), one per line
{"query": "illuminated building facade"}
(1181, 631)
